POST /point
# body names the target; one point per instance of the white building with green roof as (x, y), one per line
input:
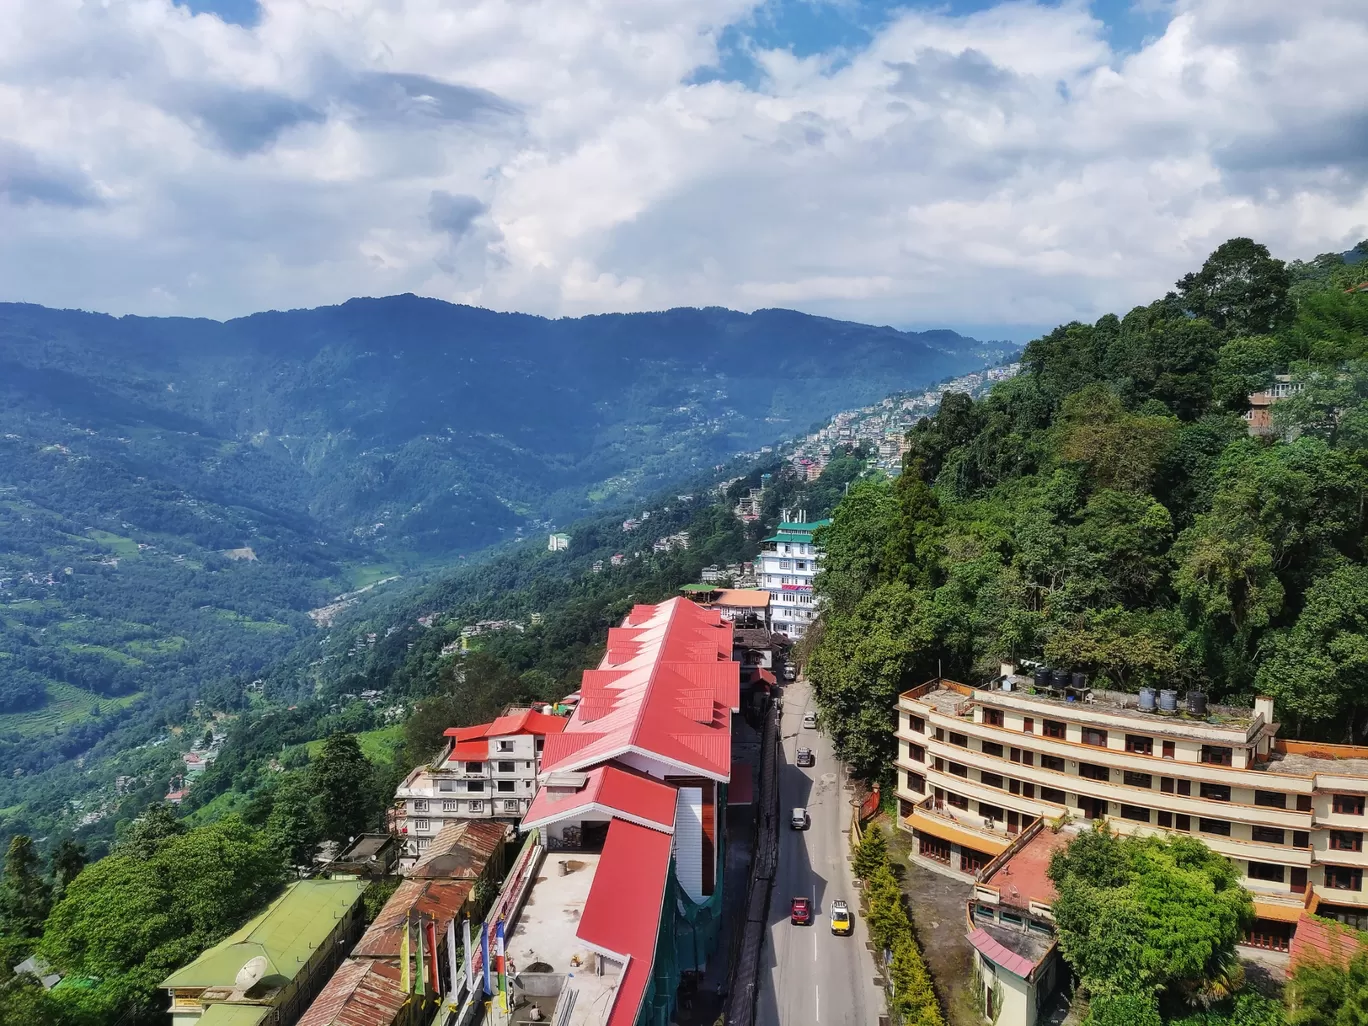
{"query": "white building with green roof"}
(787, 563)
(267, 972)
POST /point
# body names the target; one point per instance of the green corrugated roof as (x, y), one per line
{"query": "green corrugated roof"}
(806, 528)
(691, 588)
(793, 539)
(286, 934)
(233, 1015)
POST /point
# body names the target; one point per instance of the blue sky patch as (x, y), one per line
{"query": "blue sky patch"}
(235, 12)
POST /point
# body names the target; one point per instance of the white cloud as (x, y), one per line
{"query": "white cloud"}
(548, 155)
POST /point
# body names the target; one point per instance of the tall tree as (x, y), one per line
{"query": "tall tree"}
(1241, 289)
(66, 862)
(24, 894)
(292, 825)
(342, 780)
(150, 831)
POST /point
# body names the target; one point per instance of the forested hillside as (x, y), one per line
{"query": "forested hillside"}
(1109, 510)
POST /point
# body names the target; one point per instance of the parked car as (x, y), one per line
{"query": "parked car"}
(806, 758)
(810, 720)
(799, 819)
(841, 922)
(800, 912)
(790, 673)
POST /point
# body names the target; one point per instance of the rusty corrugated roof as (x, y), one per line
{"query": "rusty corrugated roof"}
(461, 850)
(363, 992)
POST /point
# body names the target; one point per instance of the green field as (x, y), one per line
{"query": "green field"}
(363, 575)
(250, 624)
(124, 548)
(66, 704)
(376, 745)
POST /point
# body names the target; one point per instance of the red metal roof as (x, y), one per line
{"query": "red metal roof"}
(766, 676)
(614, 790)
(363, 992)
(666, 689)
(470, 751)
(524, 721)
(1000, 955)
(631, 875)
(1319, 941)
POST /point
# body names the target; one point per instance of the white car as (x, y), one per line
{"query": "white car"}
(810, 720)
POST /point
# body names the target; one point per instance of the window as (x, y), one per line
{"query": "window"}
(511, 806)
(991, 748)
(1266, 871)
(1168, 750)
(1346, 840)
(1270, 799)
(992, 717)
(1028, 725)
(1268, 835)
(1052, 795)
(1136, 813)
(958, 770)
(446, 785)
(1217, 755)
(916, 753)
(508, 767)
(984, 913)
(1093, 736)
(1016, 754)
(1138, 779)
(959, 740)
(940, 734)
(1185, 788)
(1028, 791)
(422, 824)
(1215, 792)
(1052, 762)
(1166, 785)
(1011, 919)
(1028, 758)
(1092, 772)
(1348, 805)
(420, 805)
(916, 783)
(504, 746)
(785, 564)
(991, 780)
(1219, 827)
(992, 812)
(475, 785)
(916, 724)
(1165, 820)
(1181, 822)
(957, 800)
(1055, 729)
(1343, 878)
(448, 805)
(933, 848)
(1301, 839)
(1138, 744)
(476, 807)
(474, 767)
(1303, 803)
(506, 786)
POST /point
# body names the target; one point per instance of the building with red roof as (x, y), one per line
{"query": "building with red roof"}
(486, 771)
(1011, 930)
(630, 808)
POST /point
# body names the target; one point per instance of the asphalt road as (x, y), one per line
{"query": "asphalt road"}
(814, 977)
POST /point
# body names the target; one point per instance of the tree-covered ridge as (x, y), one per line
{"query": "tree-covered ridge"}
(1108, 510)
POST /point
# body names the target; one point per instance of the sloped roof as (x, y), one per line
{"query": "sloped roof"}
(223, 1014)
(432, 899)
(363, 992)
(469, 751)
(632, 873)
(522, 721)
(286, 934)
(1000, 955)
(749, 598)
(666, 688)
(1318, 940)
(460, 850)
(633, 796)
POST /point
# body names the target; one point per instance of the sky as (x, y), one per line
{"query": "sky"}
(997, 167)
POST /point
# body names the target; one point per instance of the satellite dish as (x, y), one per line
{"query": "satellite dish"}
(252, 973)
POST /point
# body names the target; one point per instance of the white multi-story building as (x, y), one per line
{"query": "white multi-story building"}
(488, 771)
(787, 564)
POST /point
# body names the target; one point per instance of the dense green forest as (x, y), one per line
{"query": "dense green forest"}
(1109, 510)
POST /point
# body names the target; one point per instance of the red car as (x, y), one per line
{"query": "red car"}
(800, 912)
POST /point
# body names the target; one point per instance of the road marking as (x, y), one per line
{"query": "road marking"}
(817, 1005)
(814, 944)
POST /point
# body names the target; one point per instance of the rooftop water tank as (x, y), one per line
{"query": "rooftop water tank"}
(1197, 703)
(1060, 679)
(1168, 701)
(1079, 680)
(1147, 700)
(1041, 677)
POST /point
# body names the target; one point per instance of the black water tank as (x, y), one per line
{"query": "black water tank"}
(1042, 677)
(1060, 679)
(1080, 680)
(1197, 703)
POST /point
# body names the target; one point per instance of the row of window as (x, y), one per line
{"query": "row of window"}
(509, 806)
(1095, 737)
(470, 787)
(502, 765)
(1342, 804)
(1340, 840)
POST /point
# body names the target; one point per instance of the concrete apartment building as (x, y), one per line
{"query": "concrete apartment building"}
(977, 766)
(488, 771)
(786, 566)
